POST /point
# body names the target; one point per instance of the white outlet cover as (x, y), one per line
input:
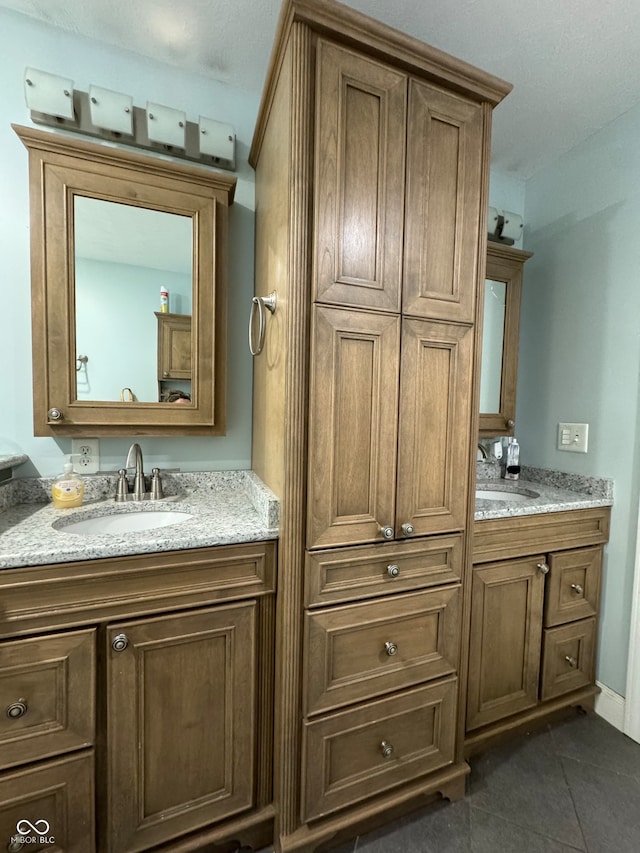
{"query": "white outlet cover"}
(85, 455)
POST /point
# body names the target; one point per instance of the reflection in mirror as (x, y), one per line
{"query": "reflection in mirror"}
(123, 256)
(495, 294)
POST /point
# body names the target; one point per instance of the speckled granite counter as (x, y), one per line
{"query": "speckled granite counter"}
(552, 491)
(227, 508)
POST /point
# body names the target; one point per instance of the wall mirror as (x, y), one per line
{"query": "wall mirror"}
(500, 339)
(111, 230)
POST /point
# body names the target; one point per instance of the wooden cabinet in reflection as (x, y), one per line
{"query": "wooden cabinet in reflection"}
(174, 354)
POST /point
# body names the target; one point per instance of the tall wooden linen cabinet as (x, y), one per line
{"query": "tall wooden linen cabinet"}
(371, 158)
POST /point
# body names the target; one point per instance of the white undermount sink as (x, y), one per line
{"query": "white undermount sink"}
(514, 495)
(124, 522)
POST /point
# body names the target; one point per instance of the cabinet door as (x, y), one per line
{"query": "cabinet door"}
(443, 215)
(506, 629)
(174, 346)
(433, 441)
(359, 179)
(180, 722)
(352, 433)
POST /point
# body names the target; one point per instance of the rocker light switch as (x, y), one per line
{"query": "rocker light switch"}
(574, 437)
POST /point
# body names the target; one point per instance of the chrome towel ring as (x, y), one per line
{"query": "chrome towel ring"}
(258, 305)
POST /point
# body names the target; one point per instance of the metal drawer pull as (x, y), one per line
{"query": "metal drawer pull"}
(577, 588)
(544, 568)
(120, 643)
(393, 571)
(16, 844)
(258, 306)
(407, 529)
(17, 709)
(391, 649)
(387, 749)
(571, 661)
(387, 532)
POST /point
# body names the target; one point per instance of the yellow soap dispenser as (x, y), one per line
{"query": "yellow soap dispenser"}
(67, 490)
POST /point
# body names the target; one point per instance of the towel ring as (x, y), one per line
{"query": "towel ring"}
(258, 305)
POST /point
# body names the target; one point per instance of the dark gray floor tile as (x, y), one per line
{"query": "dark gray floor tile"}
(491, 834)
(590, 738)
(608, 806)
(441, 828)
(523, 781)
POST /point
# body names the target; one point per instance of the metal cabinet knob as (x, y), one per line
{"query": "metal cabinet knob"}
(120, 643)
(511, 423)
(54, 414)
(577, 588)
(16, 844)
(387, 532)
(544, 568)
(17, 709)
(386, 749)
(393, 571)
(571, 661)
(391, 649)
(407, 529)
(165, 373)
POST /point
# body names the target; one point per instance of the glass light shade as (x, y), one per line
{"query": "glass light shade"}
(111, 110)
(48, 93)
(166, 125)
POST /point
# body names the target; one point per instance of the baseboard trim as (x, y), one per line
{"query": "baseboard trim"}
(610, 706)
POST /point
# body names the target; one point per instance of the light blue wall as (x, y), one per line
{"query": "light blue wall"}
(580, 342)
(27, 42)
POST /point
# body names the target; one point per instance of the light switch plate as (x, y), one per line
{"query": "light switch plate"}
(573, 437)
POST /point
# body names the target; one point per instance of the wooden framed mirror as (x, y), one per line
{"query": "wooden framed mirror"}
(110, 229)
(500, 339)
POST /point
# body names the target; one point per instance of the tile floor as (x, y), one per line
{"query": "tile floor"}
(573, 785)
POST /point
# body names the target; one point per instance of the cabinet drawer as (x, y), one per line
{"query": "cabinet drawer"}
(47, 689)
(344, 574)
(357, 753)
(573, 585)
(363, 650)
(56, 798)
(568, 658)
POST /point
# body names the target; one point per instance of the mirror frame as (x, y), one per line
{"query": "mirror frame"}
(61, 167)
(504, 263)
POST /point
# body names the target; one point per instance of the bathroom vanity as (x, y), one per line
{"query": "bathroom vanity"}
(138, 687)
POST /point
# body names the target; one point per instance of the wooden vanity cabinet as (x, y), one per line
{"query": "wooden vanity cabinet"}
(533, 618)
(371, 158)
(158, 669)
(174, 346)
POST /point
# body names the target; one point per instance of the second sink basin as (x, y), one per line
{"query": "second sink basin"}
(124, 522)
(514, 495)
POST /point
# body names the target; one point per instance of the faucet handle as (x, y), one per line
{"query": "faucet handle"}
(122, 489)
(156, 485)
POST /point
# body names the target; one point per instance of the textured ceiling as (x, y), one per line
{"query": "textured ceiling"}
(574, 64)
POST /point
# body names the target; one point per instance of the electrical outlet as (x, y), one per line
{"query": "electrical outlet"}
(574, 437)
(85, 455)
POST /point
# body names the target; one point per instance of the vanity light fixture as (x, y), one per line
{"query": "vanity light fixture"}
(111, 110)
(504, 226)
(48, 93)
(110, 115)
(166, 125)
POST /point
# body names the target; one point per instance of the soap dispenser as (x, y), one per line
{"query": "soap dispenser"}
(512, 470)
(67, 490)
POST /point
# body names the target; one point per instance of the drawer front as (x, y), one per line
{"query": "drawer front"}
(47, 686)
(53, 801)
(357, 753)
(573, 586)
(360, 651)
(343, 574)
(568, 658)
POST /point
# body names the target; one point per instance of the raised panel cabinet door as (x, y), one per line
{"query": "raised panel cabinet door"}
(174, 346)
(359, 179)
(505, 640)
(49, 806)
(443, 215)
(180, 724)
(435, 416)
(353, 426)
(573, 585)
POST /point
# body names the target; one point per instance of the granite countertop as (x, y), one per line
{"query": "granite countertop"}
(227, 508)
(549, 491)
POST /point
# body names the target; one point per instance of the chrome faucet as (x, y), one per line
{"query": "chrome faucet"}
(134, 457)
(134, 460)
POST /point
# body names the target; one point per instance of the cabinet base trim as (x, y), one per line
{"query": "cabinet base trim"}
(579, 698)
(449, 783)
(254, 830)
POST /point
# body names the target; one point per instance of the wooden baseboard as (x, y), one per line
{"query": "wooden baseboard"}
(610, 706)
